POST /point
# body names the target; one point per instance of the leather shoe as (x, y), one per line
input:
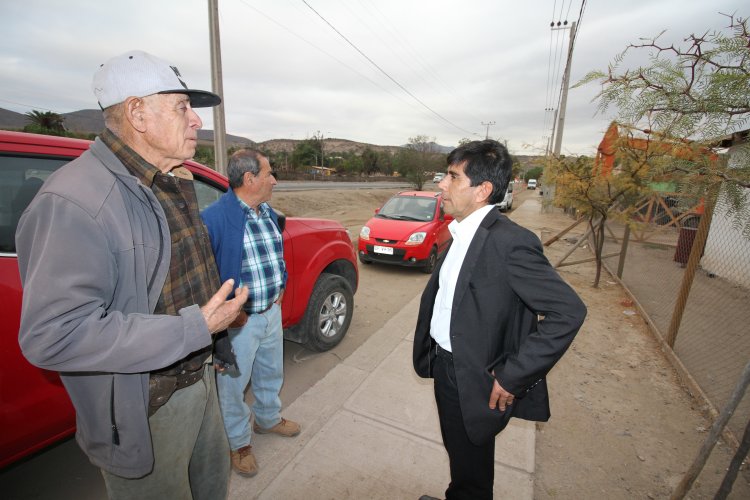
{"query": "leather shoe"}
(285, 428)
(243, 461)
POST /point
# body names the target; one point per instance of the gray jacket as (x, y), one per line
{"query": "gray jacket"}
(88, 246)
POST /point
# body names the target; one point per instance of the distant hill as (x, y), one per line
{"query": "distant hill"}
(330, 145)
(90, 121)
(10, 120)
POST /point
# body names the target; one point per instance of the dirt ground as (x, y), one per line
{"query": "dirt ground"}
(622, 424)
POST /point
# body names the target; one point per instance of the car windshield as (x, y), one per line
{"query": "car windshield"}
(416, 208)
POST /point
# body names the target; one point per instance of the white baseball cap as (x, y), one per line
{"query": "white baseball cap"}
(139, 74)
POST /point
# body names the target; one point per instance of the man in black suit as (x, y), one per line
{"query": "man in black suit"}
(478, 333)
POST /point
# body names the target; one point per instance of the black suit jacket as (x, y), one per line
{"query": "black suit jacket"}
(505, 282)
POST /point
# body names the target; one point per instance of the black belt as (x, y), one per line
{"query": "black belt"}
(248, 311)
(439, 351)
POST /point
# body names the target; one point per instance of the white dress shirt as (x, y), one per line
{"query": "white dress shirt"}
(463, 232)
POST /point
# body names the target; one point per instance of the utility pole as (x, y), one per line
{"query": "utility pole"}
(564, 95)
(559, 122)
(487, 135)
(220, 131)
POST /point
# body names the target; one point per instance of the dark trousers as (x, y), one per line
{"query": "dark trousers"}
(472, 467)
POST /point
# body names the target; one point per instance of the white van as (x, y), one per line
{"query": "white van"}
(507, 202)
(531, 184)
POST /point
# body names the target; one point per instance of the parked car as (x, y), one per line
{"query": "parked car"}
(410, 229)
(531, 184)
(34, 407)
(438, 177)
(507, 202)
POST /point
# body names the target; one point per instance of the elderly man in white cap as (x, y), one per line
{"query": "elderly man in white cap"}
(121, 292)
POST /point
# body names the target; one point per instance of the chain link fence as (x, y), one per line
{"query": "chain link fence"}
(690, 274)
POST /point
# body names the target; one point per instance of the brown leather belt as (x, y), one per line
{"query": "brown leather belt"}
(161, 387)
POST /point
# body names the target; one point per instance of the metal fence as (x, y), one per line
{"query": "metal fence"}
(691, 278)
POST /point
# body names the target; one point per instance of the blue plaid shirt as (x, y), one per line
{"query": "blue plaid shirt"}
(262, 258)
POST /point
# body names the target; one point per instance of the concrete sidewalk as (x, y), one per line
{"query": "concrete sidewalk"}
(370, 430)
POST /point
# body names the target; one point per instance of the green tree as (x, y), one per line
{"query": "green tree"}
(306, 153)
(533, 173)
(369, 161)
(353, 164)
(579, 185)
(698, 93)
(205, 155)
(419, 159)
(45, 122)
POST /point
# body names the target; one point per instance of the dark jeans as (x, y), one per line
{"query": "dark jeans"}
(472, 467)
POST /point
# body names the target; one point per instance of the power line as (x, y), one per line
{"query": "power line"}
(324, 52)
(384, 72)
(405, 44)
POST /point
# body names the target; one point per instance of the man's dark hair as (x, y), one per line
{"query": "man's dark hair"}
(244, 160)
(486, 160)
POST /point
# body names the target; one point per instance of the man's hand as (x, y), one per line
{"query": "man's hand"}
(499, 397)
(220, 312)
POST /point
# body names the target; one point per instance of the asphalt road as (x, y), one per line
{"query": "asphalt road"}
(313, 185)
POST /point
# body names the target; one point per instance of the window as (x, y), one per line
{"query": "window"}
(206, 192)
(20, 179)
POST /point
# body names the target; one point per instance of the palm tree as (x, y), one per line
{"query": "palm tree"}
(45, 122)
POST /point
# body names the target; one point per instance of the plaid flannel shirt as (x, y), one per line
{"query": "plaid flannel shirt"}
(192, 277)
(263, 265)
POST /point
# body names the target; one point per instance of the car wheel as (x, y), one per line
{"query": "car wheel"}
(329, 312)
(431, 261)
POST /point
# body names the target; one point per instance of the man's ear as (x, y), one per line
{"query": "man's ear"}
(135, 113)
(483, 193)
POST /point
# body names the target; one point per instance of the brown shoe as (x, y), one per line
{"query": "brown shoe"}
(285, 428)
(243, 461)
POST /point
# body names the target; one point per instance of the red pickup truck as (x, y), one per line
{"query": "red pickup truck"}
(34, 408)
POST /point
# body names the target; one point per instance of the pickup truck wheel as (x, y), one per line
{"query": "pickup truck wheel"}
(431, 261)
(329, 312)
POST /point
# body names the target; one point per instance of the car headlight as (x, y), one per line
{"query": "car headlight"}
(416, 238)
(364, 233)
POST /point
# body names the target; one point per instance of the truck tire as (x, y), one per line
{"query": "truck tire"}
(329, 312)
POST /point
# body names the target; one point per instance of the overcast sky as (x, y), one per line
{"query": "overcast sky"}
(445, 67)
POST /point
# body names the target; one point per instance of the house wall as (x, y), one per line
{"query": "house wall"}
(727, 251)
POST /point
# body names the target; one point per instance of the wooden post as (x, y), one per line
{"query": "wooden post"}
(573, 249)
(692, 265)
(726, 485)
(563, 232)
(623, 251)
(713, 435)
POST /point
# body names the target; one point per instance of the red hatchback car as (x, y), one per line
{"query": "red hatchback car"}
(410, 229)
(35, 410)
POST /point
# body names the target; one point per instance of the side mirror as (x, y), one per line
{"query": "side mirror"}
(377, 210)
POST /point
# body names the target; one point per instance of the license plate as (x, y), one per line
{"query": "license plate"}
(383, 250)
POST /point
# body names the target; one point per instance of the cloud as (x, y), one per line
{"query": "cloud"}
(288, 74)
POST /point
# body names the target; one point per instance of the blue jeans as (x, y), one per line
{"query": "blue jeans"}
(191, 461)
(259, 349)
